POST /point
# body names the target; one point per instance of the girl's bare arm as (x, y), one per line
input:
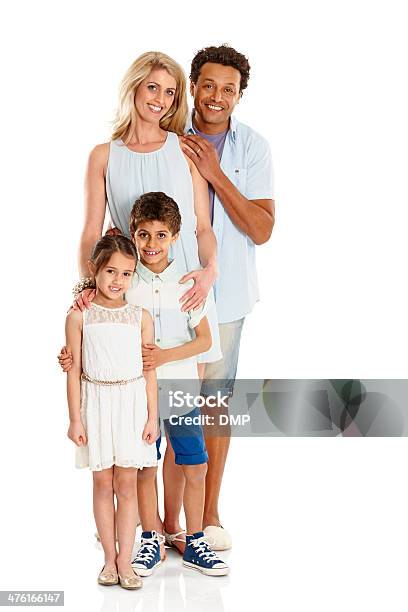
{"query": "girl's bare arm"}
(73, 335)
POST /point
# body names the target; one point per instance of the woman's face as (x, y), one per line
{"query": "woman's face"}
(155, 95)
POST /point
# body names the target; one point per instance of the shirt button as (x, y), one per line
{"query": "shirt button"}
(158, 340)
(156, 291)
(157, 276)
(157, 315)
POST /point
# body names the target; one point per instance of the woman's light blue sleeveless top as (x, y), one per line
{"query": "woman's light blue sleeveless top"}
(131, 174)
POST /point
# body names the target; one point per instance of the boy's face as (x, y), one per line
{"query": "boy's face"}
(153, 240)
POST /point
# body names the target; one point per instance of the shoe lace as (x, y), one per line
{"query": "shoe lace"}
(202, 547)
(147, 550)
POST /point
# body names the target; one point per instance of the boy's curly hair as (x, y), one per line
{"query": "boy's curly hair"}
(224, 55)
(155, 206)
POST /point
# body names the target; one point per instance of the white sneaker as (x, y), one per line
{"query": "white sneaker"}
(218, 537)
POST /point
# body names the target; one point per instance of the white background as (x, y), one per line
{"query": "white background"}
(317, 524)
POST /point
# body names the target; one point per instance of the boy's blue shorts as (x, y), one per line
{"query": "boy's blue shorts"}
(187, 441)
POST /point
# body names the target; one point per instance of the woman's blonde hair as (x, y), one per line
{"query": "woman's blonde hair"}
(175, 118)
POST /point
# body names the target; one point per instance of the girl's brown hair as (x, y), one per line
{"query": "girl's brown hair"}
(106, 246)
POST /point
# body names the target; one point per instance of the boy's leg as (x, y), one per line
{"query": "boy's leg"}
(148, 556)
(173, 482)
(147, 496)
(104, 513)
(219, 376)
(188, 444)
(194, 494)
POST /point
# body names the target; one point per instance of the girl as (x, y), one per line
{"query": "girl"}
(112, 405)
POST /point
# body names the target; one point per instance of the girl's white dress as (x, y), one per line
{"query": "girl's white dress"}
(114, 414)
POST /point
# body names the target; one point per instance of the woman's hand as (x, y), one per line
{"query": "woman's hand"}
(77, 433)
(84, 299)
(153, 356)
(203, 281)
(113, 231)
(150, 432)
(65, 358)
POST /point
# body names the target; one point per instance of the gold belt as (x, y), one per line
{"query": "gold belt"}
(108, 382)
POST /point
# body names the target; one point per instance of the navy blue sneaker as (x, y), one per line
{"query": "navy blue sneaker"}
(199, 556)
(148, 555)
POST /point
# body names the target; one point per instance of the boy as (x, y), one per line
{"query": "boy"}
(179, 337)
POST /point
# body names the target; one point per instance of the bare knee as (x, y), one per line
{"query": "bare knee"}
(195, 474)
(103, 483)
(147, 474)
(124, 485)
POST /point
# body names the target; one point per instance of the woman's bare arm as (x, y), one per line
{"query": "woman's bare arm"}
(95, 204)
(207, 245)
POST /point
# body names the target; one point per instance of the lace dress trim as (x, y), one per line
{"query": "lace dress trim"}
(126, 315)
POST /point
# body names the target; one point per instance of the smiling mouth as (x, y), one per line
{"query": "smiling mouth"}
(150, 253)
(115, 289)
(214, 107)
(155, 109)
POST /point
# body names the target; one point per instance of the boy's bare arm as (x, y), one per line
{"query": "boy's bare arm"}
(150, 375)
(154, 356)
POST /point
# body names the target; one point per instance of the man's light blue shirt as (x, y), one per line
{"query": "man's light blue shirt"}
(246, 161)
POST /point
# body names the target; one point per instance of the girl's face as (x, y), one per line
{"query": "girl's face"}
(155, 95)
(114, 278)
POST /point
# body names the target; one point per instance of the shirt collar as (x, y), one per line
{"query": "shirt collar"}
(169, 274)
(232, 127)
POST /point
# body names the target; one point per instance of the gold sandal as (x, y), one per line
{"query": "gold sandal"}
(108, 578)
(130, 582)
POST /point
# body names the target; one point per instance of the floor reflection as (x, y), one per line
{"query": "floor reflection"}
(172, 588)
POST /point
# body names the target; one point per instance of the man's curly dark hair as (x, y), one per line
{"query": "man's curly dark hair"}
(224, 55)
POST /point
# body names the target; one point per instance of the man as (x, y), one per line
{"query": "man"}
(236, 162)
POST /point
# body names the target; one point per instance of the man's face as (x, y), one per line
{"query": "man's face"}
(216, 93)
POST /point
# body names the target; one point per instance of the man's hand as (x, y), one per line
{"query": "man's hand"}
(65, 358)
(77, 433)
(153, 356)
(194, 297)
(150, 431)
(203, 154)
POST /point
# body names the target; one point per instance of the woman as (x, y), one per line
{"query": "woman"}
(144, 155)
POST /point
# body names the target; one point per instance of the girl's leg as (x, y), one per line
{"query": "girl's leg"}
(124, 485)
(194, 496)
(104, 513)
